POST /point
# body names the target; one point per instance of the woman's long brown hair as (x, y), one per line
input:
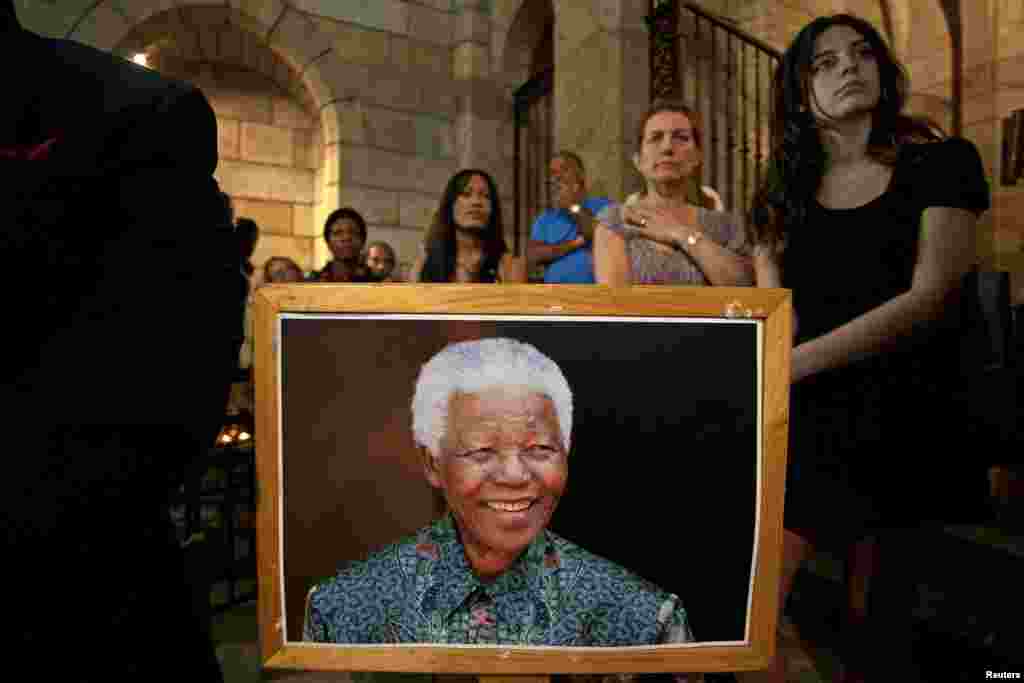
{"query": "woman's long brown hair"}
(797, 160)
(440, 240)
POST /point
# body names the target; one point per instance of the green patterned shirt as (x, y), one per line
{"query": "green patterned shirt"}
(422, 590)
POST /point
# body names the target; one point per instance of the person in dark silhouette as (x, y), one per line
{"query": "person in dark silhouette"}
(116, 373)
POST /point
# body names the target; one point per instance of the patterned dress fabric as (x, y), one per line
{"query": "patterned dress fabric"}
(651, 265)
(422, 590)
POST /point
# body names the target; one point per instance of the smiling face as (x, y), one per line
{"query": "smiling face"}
(844, 77)
(344, 239)
(668, 149)
(502, 469)
(472, 208)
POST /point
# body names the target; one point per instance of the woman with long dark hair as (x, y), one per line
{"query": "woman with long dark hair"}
(869, 216)
(465, 243)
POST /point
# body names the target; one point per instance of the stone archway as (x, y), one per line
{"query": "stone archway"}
(525, 24)
(317, 76)
(269, 130)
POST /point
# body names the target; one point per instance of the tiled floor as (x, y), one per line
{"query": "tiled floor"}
(235, 632)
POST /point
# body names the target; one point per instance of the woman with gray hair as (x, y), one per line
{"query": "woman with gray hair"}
(493, 418)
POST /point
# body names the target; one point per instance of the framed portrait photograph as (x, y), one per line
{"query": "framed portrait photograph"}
(520, 479)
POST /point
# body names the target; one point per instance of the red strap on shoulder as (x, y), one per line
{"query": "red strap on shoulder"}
(39, 152)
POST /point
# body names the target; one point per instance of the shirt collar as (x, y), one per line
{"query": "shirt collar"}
(441, 563)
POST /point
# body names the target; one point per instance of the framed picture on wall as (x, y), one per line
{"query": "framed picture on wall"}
(523, 479)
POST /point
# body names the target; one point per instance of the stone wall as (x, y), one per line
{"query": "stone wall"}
(406, 94)
(1003, 83)
(602, 82)
(270, 156)
(409, 92)
(415, 101)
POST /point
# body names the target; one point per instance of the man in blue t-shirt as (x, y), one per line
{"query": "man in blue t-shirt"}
(561, 238)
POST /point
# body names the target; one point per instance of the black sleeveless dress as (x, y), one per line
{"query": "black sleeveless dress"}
(870, 443)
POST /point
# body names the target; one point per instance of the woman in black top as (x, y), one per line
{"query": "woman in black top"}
(465, 243)
(869, 216)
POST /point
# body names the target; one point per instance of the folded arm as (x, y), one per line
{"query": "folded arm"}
(542, 253)
(720, 265)
(714, 245)
(722, 252)
(945, 254)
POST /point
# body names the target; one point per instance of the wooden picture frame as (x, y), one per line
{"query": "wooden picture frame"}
(295, 322)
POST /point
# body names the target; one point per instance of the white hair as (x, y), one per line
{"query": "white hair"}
(471, 367)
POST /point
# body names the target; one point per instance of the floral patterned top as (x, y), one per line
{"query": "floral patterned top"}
(650, 265)
(422, 590)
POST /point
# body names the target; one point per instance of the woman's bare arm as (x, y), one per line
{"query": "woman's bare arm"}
(768, 273)
(721, 266)
(611, 260)
(945, 254)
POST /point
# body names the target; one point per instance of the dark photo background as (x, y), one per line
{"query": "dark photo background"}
(662, 470)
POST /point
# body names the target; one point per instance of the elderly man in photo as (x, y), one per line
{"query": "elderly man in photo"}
(562, 237)
(494, 418)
